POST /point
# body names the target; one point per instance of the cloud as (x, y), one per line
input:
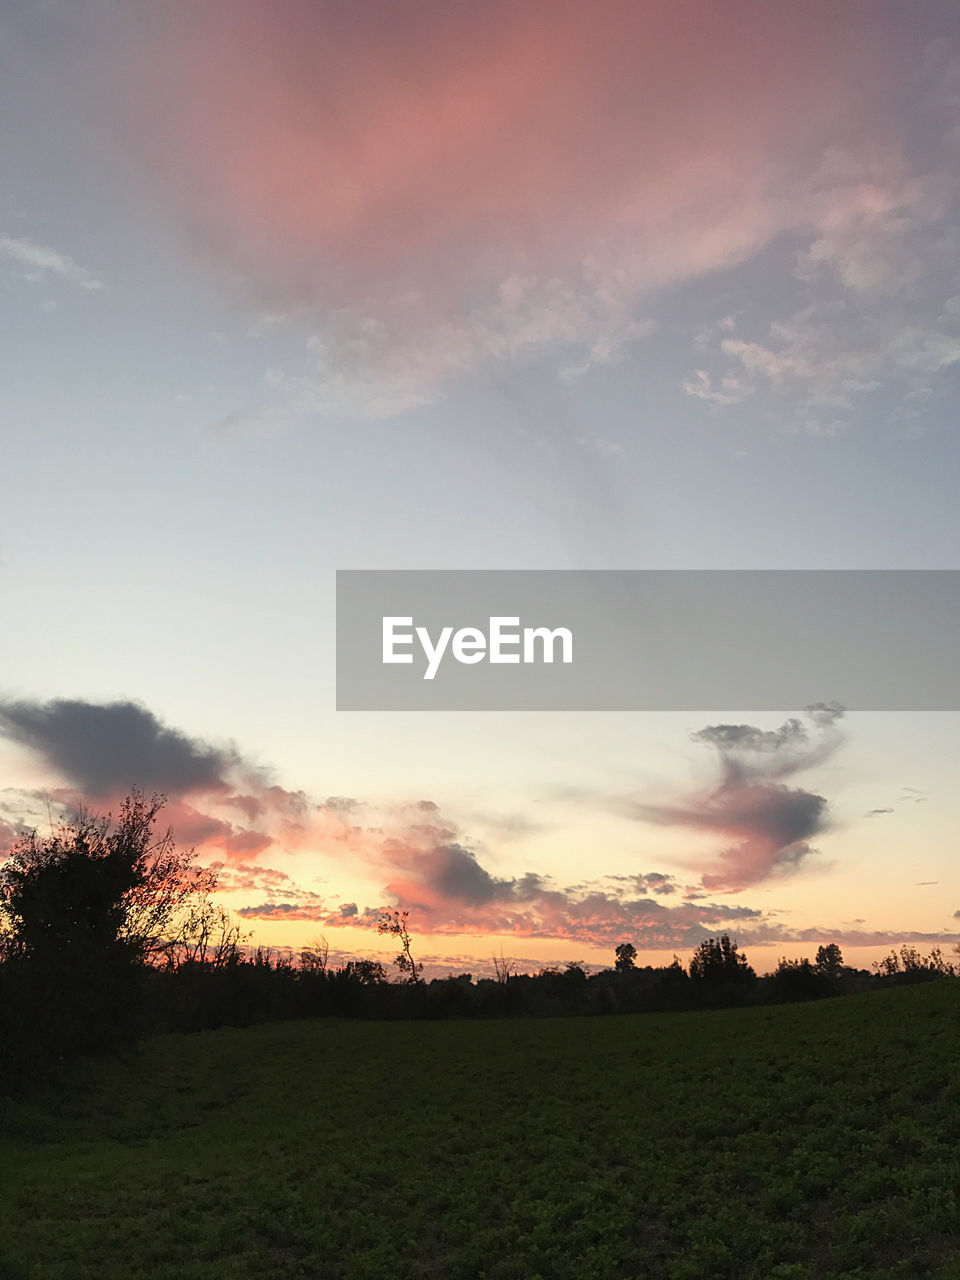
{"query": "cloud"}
(417, 856)
(427, 869)
(649, 882)
(102, 748)
(10, 833)
(876, 246)
(458, 186)
(39, 261)
(258, 879)
(215, 800)
(383, 359)
(770, 823)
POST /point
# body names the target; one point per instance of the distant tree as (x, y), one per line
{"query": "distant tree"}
(911, 959)
(717, 962)
(800, 980)
(503, 968)
(626, 954)
(937, 964)
(314, 958)
(367, 973)
(829, 961)
(395, 923)
(910, 966)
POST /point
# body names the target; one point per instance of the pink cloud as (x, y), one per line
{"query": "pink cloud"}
(770, 823)
(438, 146)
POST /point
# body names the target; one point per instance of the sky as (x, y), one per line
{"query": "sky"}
(293, 287)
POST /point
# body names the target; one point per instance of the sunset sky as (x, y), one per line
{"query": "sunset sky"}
(301, 286)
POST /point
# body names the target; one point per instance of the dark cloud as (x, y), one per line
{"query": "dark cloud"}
(657, 882)
(771, 824)
(747, 752)
(215, 800)
(649, 882)
(825, 714)
(874, 813)
(111, 747)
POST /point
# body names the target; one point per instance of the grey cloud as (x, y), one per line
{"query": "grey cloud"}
(771, 824)
(747, 752)
(101, 748)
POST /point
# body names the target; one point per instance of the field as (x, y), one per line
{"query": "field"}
(786, 1143)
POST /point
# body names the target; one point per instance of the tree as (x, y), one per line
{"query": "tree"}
(314, 958)
(503, 968)
(937, 964)
(395, 922)
(800, 980)
(717, 962)
(368, 973)
(207, 935)
(626, 957)
(84, 910)
(829, 961)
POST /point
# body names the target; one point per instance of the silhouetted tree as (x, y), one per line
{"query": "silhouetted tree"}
(395, 922)
(800, 980)
(84, 910)
(829, 961)
(910, 966)
(313, 958)
(206, 935)
(626, 957)
(364, 972)
(503, 968)
(720, 971)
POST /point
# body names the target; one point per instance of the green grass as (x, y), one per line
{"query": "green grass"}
(762, 1144)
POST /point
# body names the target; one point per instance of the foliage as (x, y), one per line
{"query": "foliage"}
(395, 923)
(718, 962)
(626, 960)
(829, 961)
(800, 980)
(910, 966)
(314, 958)
(84, 910)
(806, 1142)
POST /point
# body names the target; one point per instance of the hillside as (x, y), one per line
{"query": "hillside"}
(778, 1143)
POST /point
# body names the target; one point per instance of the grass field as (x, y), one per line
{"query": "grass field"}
(760, 1144)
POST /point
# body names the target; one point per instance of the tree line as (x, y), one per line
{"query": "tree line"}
(109, 932)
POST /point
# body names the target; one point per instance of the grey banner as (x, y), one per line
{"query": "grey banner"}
(647, 640)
